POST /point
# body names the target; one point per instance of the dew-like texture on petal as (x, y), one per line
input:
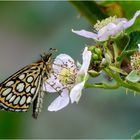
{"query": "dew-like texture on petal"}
(52, 84)
(76, 92)
(60, 102)
(86, 34)
(86, 61)
(63, 61)
(131, 22)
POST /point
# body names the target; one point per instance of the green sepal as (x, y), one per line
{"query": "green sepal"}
(94, 73)
(117, 70)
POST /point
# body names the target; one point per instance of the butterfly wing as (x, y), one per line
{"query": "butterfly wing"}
(37, 104)
(19, 90)
(25, 86)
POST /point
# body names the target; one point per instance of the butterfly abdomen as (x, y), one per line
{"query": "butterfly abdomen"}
(37, 104)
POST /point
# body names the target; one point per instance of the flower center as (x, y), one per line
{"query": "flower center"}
(67, 76)
(135, 61)
(104, 22)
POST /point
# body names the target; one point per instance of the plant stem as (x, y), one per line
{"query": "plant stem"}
(102, 85)
(121, 83)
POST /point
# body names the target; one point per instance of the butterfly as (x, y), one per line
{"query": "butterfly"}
(25, 87)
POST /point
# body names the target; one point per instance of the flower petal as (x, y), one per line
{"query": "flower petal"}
(131, 22)
(86, 34)
(86, 61)
(123, 20)
(63, 61)
(52, 84)
(60, 102)
(109, 30)
(76, 92)
(105, 32)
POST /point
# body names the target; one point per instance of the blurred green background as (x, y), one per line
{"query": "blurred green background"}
(28, 29)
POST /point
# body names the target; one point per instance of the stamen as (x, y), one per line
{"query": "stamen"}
(135, 61)
(66, 76)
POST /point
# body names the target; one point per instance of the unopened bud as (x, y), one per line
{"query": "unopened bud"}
(95, 57)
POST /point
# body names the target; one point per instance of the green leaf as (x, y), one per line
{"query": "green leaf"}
(134, 40)
(133, 76)
(90, 10)
(136, 136)
(122, 44)
(122, 41)
(132, 46)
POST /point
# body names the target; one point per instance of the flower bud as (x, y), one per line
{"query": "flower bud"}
(95, 57)
(98, 51)
(91, 48)
(93, 73)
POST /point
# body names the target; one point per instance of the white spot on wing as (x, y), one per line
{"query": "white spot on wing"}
(9, 96)
(28, 89)
(9, 83)
(29, 79)
(7, 91)
(16, 100)
(12, 98)
(29, 99)
(22, 101)
(22, 76)
(20, 87)
(18, 110)
(33, 90)
(24, 110)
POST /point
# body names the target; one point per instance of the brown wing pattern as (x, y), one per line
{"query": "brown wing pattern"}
(20, 89)
(25, 87)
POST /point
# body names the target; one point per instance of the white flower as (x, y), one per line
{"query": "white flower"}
(108, 27)
(67, 79)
